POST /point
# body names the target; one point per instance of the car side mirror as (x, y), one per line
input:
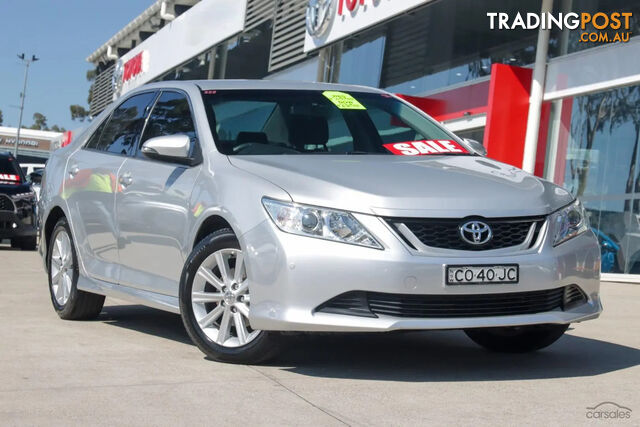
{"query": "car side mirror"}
(170, 148)
(35, 177)
(476, 146)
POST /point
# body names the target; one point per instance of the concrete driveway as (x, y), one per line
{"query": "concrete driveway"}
(136, 366)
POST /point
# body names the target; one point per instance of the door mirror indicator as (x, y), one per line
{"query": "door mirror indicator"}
(170, 148)
(476, 146)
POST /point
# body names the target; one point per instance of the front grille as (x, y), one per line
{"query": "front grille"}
(6, 204)
(444, 233)
(372, 304)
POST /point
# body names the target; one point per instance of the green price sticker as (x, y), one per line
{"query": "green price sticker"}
(343, 100)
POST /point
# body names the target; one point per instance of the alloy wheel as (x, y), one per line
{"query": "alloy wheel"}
(220, 299)
(62, 268)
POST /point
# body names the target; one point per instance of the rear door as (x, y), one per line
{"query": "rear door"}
(153, 210)
(92, 183)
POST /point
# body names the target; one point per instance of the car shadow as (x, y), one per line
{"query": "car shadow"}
(146, 320)
(406, 356)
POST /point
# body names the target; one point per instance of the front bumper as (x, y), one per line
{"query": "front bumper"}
(290, 276)
(13, 225)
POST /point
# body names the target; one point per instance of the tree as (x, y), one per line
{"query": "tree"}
(39, 122)
(78, 112)
(55, 128)
(0, 117)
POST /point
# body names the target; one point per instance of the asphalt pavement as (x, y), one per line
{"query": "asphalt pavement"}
(136, 366)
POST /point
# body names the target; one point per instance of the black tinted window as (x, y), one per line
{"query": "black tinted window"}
(10, 170)
(123, 130)
(170, 116)
(95, 137)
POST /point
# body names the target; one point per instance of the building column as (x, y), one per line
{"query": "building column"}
(537, 93)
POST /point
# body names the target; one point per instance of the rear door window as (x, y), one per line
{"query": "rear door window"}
(122, 132)
(95, 137)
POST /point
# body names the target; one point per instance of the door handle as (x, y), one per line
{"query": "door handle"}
(126, 179)
(73, 171)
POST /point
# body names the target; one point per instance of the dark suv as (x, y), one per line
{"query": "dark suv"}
(17, 205)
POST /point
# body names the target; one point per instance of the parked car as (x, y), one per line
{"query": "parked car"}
(256, 207)
(17, 205)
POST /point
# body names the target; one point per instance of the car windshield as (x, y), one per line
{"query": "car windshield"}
(254, 122)
(9, 171)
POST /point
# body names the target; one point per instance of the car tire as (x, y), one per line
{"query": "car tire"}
(521, 339)
(217, 321)
(62, 269)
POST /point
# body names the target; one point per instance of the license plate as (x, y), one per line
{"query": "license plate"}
(482, 274)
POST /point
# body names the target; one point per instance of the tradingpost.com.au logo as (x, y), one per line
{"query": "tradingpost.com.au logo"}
(596, 27)
(608, 411)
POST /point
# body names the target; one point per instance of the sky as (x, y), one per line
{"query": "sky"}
(62, 33)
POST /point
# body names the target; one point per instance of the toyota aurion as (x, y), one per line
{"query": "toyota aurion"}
(252, 208)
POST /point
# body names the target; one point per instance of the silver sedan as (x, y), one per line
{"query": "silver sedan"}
(256, 207)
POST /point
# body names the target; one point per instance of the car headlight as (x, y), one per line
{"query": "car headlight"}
(569, 222)
(312, 221)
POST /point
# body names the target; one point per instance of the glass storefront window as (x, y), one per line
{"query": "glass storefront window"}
(361, 61)
(598, 160)
(568, 41)
(450, 42)
(306, 71)
(247, 55)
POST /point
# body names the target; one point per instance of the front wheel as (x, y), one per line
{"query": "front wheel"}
(215, 302)
(517, 339)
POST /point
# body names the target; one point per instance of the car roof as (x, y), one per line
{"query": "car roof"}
(256, 84)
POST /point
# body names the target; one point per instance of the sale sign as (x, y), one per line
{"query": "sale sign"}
(426, 147)
(9, 177)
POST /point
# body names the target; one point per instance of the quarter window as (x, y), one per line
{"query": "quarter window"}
(123, 130)
(170, 116)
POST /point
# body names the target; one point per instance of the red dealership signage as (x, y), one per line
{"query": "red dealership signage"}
(135, 66)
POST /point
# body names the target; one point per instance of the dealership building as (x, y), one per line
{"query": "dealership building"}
(558, 100)
(34, 146)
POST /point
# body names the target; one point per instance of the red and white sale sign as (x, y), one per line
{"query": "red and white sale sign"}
(426, 147)
(8, 177)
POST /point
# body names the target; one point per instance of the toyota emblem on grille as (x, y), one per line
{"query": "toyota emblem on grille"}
(475, 232)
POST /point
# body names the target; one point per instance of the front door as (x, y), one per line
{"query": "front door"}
(153, 207)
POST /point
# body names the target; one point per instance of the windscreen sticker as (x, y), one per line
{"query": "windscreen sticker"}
(343, 100)
(426, 147)
(7, 177)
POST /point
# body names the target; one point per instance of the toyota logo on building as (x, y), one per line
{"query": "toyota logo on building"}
(476, 232)
(320, 13)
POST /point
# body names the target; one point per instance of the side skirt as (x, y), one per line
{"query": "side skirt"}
(138, 296)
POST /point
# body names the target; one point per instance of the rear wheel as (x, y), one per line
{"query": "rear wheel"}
(62, 266)
(518, 339)
(215, 302)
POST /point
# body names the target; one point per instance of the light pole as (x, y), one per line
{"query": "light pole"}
(27, 62)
